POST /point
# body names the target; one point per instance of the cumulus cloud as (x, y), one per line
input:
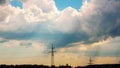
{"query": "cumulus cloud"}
(44, 5)
(95, 21)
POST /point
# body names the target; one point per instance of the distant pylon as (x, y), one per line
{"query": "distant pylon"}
(90, 61)
(52, 55)
(119, 62)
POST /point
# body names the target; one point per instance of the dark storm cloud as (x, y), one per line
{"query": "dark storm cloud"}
(13, 35)
(103, 19)
(110, 25)
(2, 2)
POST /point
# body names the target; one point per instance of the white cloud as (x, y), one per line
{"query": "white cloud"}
(11, 18)
(67, 21)
(38, 12)
(15, 19)
(45, 5)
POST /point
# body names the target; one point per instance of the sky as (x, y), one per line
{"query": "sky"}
(62, 4)
(78, 29)
(16, 3)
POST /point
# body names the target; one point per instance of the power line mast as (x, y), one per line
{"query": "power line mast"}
(90, 61)
(52, 55)
(119, 62)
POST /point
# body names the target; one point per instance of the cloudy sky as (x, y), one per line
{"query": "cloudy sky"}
(78, 29)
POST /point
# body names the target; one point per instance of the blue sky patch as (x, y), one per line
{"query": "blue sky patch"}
(16, 3)
(62, 4)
